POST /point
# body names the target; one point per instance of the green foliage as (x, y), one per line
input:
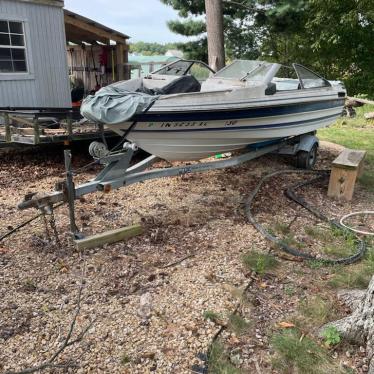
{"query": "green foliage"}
(315, 311)
(125, 359)
(289, 290)
(260, 263)
(218, 360)
(151, 49)
(210, 315)
(355, 133)
(238, 324)
(240, 33)
(331, 336)
(333, 37)
(297, 353)
(357, 275)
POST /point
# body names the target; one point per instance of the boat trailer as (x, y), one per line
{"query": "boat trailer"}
(118, 173)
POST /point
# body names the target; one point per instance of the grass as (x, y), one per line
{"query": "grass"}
(125, 359)
(357, 275)
(336, 242)
(238, 324)
(210, 315)
(355, 133)
(259, 262)
(296, 353)
(315, 311)
(219, 361)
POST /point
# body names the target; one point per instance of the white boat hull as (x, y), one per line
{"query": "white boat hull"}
(196, 131)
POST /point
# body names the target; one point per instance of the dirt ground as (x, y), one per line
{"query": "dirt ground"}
(149, 316)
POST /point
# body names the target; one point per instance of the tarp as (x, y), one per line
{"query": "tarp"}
(120, 101)
(117, 102)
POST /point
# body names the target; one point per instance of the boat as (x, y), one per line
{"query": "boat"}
(186, 111)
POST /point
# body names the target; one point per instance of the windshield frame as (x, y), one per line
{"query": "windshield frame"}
(191, 63)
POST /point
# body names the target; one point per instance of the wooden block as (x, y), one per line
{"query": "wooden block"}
(345, 170)
(109, 237)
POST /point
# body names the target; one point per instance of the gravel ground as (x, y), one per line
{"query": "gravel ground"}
(149, 315)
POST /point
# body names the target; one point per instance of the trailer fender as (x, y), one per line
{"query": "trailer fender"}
(307, 142)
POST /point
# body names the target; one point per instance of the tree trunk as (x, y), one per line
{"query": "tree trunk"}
(214, 26)
(359, 326)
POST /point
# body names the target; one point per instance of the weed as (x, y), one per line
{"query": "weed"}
(281, 228)
(289, 290)
(331, 335)
(315, 264)
(125, 359)
(260, 263)
(238, 324)
(30, 285)
(218, 360)
(355, 276)
(290, 241)
(298, 353)
(210, 315)
(316, 311)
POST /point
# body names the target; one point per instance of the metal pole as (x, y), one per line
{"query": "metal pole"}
(70, 191)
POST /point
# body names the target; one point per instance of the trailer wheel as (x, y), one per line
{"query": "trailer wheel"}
(307, 159)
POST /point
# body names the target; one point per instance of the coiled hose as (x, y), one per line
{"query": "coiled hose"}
(290, 193)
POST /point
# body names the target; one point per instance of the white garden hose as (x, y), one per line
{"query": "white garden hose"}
(365, 212)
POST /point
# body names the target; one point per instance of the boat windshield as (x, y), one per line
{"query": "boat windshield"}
(184, 67)
(245, 70)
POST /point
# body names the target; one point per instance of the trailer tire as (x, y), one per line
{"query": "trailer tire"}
(307, 159)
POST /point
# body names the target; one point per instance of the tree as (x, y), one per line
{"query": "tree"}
(238, 28)
(333, 37)
(359, 326)
(214, 25)
(151, 49)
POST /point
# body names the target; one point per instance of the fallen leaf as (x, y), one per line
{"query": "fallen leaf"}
(285, 325)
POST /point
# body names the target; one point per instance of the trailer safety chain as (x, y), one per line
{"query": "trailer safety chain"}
(291, 194)
(25, 223)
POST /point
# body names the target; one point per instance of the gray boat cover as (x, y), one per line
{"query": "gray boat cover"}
(117, 102)
(120, 101)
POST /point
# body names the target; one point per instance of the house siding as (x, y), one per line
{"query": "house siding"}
(47, 84)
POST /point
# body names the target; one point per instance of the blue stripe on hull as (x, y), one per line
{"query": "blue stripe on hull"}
(239, 128)
(268, 111)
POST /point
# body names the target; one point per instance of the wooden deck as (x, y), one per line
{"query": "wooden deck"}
(30, 128)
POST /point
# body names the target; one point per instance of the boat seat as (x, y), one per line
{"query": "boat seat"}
(184, 84)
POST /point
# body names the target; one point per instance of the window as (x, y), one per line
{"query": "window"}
(12, 47)
(309, 79)
(286, 79)
(240, 69)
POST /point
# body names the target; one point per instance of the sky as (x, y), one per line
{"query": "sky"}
(142, 20)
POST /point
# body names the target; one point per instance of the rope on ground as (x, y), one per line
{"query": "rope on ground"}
(363, 232)
(290, 192)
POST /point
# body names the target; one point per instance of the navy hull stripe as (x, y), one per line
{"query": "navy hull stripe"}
(269, 111)
(239, 128)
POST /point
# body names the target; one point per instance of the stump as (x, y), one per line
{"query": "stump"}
(359, 326)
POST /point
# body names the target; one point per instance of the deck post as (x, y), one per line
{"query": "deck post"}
(8, 133)
(69, 121)
(35, 123)
(120, 56)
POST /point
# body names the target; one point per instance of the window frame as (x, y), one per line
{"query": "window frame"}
(328, 84)
(29, 74)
